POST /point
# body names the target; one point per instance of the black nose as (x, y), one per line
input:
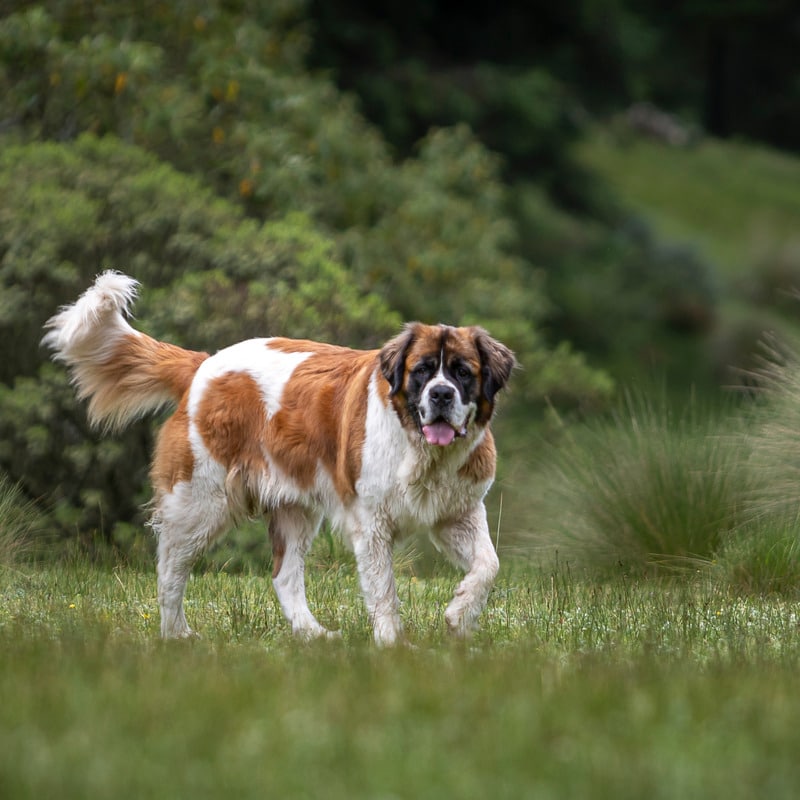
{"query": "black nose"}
(442, 395)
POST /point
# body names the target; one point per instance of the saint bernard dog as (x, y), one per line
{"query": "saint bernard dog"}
(379, 442)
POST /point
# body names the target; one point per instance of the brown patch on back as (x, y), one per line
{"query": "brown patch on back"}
(320, 422)
(317, 348)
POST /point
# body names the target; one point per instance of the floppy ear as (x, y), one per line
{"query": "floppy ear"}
(497, 363)
(393, 357)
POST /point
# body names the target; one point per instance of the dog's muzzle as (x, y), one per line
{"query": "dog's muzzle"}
(438, 424)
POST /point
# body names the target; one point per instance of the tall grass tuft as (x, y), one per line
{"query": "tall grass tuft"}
(17, 523)
(775, 437)
(650, 487)
(763, 556)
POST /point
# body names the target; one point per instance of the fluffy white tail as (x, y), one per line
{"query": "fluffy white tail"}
(123, 373)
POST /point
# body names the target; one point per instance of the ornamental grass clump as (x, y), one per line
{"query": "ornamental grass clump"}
(763, 555)
(650, 487)
(17, 523)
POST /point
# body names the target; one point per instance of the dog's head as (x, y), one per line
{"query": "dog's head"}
(443, 380)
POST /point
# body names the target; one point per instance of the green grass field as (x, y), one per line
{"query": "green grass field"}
(574, 687)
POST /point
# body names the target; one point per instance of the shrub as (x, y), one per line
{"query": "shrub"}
(211, 276)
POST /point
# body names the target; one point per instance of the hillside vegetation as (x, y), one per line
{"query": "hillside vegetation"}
(731, 199)
(192, 145)
(188, 145)
(736, 205)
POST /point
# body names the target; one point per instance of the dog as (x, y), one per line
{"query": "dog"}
(382, 443)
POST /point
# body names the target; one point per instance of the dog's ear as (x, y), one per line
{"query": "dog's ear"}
(393, 357)
(497, 362)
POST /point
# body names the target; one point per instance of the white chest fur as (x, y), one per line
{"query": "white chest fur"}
(408, 483)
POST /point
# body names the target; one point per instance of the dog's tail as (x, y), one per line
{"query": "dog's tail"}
(124, 373)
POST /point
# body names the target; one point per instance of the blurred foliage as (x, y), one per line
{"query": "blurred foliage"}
(188, 145)
(639, 304)
(530, 78)
(527, 80)
(731, 67)
(211, 276)
(198, 146)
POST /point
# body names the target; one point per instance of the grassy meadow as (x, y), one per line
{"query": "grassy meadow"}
(574, 687)
(626, 659)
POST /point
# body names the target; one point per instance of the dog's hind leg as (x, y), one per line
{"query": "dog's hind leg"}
(292, 530)
(186, 521)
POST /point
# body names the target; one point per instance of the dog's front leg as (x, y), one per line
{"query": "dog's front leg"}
(373, 551)
(468, 545)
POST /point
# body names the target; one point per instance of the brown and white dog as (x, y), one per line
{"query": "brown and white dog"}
(381, 442)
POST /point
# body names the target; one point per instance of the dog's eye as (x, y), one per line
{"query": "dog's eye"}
(423, 369)
(463, 372)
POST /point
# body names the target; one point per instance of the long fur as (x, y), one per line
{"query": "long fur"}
(123, 373)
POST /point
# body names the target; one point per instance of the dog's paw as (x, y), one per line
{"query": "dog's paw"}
(459, 624)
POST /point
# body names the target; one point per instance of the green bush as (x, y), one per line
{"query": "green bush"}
(211, 276)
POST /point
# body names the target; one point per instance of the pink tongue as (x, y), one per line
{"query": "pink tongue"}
(439, 433)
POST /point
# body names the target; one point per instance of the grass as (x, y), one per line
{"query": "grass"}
(18, 523)
(624, 682)
(573, 687)
(651, 485)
